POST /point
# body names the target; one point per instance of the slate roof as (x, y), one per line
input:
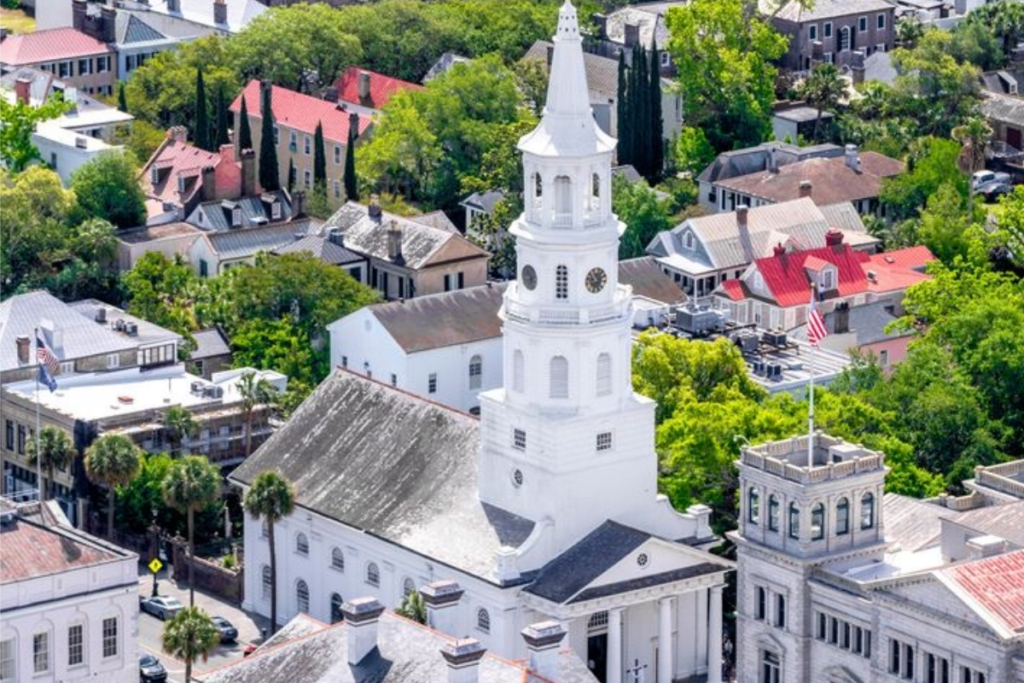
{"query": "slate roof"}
(484, 201)
(825, 9)
(322, 248)
(650, 580)
(421, 243)
(648, 280)
(255, 212)
(443, 64)
(246, 242)
(130, 29)
(406, 652)
(382, 87)
(32, 550)
(832, 181)
(912, 523)
(742, 162)
(1005, 521)
(300, 112)
(994, 588)
(49, 46)
(1002, 80)
(602, 72)
(397, 467)
(148, 333)
(210, 344)
(649, 16)
(1003, 108)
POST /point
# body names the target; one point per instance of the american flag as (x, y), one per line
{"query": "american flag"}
(816, 330)
(45, 356)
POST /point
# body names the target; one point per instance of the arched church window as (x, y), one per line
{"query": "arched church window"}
(408, 586)
(336, 613)
(476, 372)
(483, 621)
(562, 282)
(604, 374)
(794, 521)
(818, 522)
(867, 511)
(563, 199)
(538, 186)
(518, 372)
(753, 506)
(302, 596)
(268, 581)
(843, 516)
(372, 574)
(338, 560)
(559, 377)
(595, 192)
(844, 38)
(302, 544)
(773, 513)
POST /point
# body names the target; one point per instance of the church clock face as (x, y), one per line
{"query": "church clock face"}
(529, 278)
(596, 280)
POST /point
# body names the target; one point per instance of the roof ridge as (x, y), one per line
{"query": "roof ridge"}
(398, 390)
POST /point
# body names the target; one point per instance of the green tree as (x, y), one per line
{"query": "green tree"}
(112, 460)
(977, 44)
(36, 210)
(179, 424)
(532, 78)
(692, 151)
(413, 607)
(946, 227)
(201, 132)
(973, 135)
(192, 483)
(269, 173)
(656, 129)
(107, 188)
(931, 166)
(255, 392)
(291, 175)
(244, 132)
(319, 157)
(19, 123)
(143, 140)
(271, 498)
(639, 109)
(823, 88)
(302, 47)
(726, 75)
(190, 636)
(351, 183)
(52, 450)
(162, 291)
(623, 114)
(1011, 223)
(221, 130)
(278, 345)
(1004, 19)
(122, 102)
(644, 214)
(908, 32)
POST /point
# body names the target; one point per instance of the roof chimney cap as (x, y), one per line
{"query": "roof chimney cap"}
(441, 592)
(543, 635)
(362, 610)
(779, 250)
(806, 189)
(833, 237)
(463, 651)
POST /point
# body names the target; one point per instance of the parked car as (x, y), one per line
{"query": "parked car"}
(980, 178)
(151, 670)
(249, 649)
(161, 607)
(991, 192)
(228, 633)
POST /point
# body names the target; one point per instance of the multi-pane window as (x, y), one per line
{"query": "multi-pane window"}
(41, 653)
(828, 29)
(476, 372)
(760, 603)
(561, 282)
(302, 597)
(969, 675)
(773, 513)
(7, 660)
(9, 434)
(818, 522)
(862, 24)
(812, 32)
(604, 441)
(483, 621)
(794, 521)
(881, 21)
(372, 574)
(753, 506)
(559, 377)
(302, 544)
(408, 586)
(337, 154)
(780, 611)
(338, 560)
(432, 383)
(867, 511)
(268, 581)
(336, 603)
(293, 141)
(307, 145)
(843, 517)
(901, 659)
(519, 439)
(936, 669)
(771, 667)
(110, 637)
(75, 645)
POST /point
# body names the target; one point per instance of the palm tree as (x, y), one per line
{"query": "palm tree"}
(113, 460)
(973, 135)
(271, 498)
(191, 484)
(254, 392)
(179, 424)
(413, 607)
(190, 635)
(55, 450)
(822, 89)
(908, 32)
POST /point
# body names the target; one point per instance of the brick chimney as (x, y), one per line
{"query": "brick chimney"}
(841, 318)
(248, 163)
(857, 67)
(364, 86)
(442, 598)
(79, 12)
(742, 211)
(542, 641)
(209, 183)
(550, 53)
(22, 88)
(395, 243)
(178, 134)
(463, 659)
(632, 34)
(806, 190)
(353, 123)
(220, 12)
(833, 238)
(108, 24)
(23, 343)
(779, 250)
(361, 617)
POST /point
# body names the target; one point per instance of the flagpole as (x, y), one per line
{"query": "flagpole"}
(39, 456)
(810, 412)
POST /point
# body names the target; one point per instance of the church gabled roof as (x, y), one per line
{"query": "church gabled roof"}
(393, 465)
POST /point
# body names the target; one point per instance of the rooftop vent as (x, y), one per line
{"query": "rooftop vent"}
(101, 315)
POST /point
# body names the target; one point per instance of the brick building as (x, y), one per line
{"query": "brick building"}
(831, 30)
(78, 59)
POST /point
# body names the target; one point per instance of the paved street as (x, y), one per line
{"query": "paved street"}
(151, 628)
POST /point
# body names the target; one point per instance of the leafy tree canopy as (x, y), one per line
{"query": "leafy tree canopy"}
(637, 205)
(19, 122)
(107, 187)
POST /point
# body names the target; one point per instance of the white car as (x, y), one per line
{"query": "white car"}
(161, 607)
(979, 178)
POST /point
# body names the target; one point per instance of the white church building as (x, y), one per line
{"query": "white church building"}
(546, 507)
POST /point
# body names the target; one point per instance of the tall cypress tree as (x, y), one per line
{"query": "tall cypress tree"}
(220, 128)
(291, 175)
(122, 102)
(319, 156)
(639, 110)
(270, 173)
(351, 185)
(622, 114)
(201, 136)
(657, 124)
(244, 132)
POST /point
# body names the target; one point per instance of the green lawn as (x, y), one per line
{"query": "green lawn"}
(16, 21)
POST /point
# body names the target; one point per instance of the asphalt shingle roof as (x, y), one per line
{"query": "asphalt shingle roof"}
(209, 344)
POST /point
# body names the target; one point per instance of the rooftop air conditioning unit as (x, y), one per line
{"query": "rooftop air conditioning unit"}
(197, 387)
(131, 329)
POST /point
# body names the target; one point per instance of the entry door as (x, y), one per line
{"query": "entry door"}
(1013, 137)
(597, 655)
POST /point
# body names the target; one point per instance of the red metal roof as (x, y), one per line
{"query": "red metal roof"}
(996, 585)
(734, 290)
(381, 87)
(49, 46)
(181, 159)
(32, 550)
(911, 257)
(300, 112)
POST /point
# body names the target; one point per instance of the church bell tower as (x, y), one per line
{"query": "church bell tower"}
(566, 440)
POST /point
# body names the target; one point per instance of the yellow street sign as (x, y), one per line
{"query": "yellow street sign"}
(155, 565)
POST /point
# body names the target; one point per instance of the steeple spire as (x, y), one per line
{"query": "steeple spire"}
(567, 86)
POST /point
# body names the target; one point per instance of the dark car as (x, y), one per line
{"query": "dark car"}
(151, 670)
(161, 607)
(228, 633)
(991, 192)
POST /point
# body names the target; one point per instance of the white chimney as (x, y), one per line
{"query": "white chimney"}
(985, 546)
(542, 641)
(361, 616)
(852, 158)
(442, 598)
(463, 658)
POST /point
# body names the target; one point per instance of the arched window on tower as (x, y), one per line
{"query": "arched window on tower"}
(563, 200)
(753, 506)
(336, 603)
(559, 377)
(773, 513)
(302, 597)
(843, 517)
(595, 193)
(604, 374)
(476, 372)
(867, 511)
(794, 521)
(518, 372)
(818, 522)
(562, 282)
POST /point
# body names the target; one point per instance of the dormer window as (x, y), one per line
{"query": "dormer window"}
(688, 241)
(154, 175)
(236, 217)
(828, 279)
(181, 182)
(275, 211)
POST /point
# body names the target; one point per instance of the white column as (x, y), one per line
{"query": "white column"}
(665, 640)
(613, 669)
(715, 636)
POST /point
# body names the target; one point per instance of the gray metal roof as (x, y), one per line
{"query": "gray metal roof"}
(825, 9)
(741, 162)
(483, 201)
(148, 333)
(1005, 521)
(648, 280)
(246, 242)
(649, 17)
(256, 211)
(912, 523)
(406, 652)
(322, 248)
(209, 344)
(602, 72)
(130, 29)
(396, 466)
